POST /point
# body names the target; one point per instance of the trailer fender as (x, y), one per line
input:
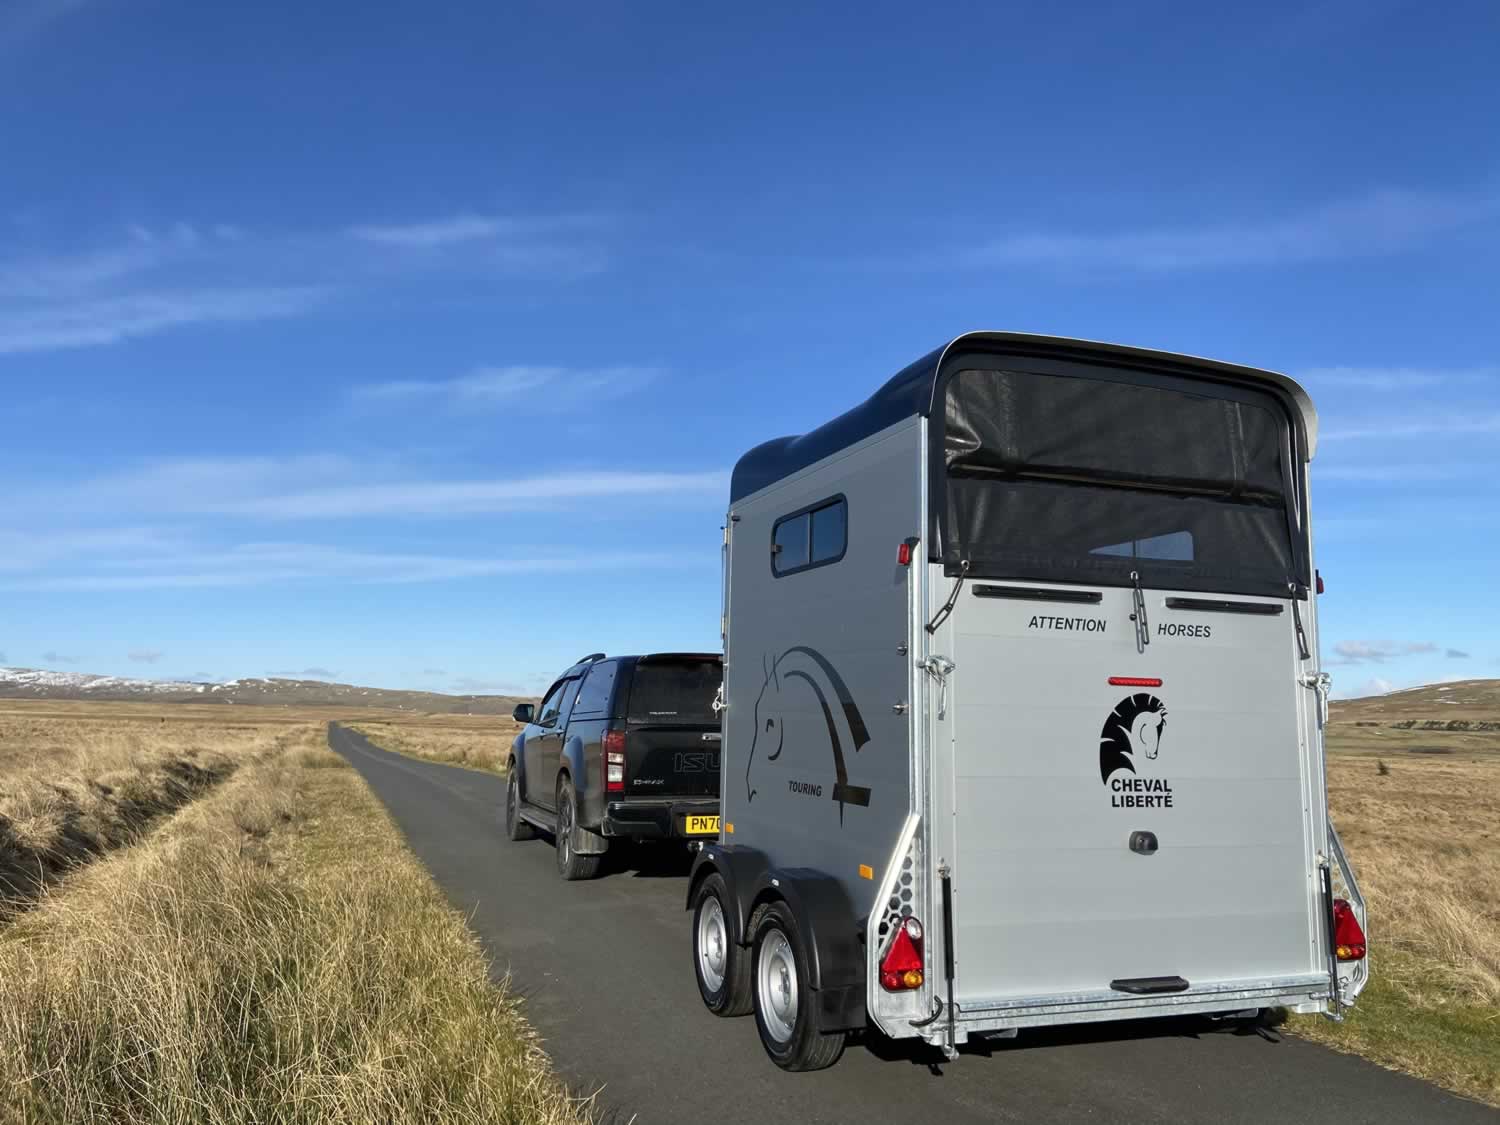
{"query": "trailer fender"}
(825, 918)
(832, 934)
(741, 869)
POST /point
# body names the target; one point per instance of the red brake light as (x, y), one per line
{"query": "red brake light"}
(1348, 935)
(614, 761)
(903, 554)
(1319, 575)
(1135, 681)
(901, 967)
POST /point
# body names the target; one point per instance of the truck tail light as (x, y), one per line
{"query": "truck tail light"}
(614, 761)
(901, 967)
(1348, 934)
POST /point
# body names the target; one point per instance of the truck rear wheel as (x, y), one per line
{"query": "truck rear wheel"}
(515, 827)
(721, 967)
(786, 1010)
(571, 865)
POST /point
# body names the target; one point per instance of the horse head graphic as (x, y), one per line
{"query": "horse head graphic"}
(804, 669)
(1135, 726)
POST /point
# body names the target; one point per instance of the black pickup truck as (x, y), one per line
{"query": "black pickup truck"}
(623, 746)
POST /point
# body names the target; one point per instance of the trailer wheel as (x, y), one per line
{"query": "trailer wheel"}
(721, 967)
(785, 1006)
(571, 865)
(515, 827)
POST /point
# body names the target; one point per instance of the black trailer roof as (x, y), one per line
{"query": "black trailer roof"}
(914, 390)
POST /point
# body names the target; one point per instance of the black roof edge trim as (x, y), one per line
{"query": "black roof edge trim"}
(1039, 594)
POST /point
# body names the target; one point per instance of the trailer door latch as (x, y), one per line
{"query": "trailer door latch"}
(938, 667)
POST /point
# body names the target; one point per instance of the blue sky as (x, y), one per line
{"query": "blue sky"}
(412, 344)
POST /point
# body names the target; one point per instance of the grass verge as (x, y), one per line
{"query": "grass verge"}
(271, 953)
(438, 738)
(1423, 833)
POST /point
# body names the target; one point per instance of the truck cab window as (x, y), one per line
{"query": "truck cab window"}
(552, 704)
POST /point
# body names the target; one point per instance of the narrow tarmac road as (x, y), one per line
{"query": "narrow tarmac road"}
(605, 970)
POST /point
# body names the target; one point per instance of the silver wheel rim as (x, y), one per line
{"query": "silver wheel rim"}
(713, 945)
(565, 829)
(776, 985)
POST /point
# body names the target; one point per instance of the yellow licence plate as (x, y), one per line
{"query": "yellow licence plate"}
(701, 826)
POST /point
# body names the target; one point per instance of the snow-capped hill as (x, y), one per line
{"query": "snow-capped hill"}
(41, 680)
(36, 683)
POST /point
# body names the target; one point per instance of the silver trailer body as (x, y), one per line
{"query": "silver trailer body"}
(1095, 774)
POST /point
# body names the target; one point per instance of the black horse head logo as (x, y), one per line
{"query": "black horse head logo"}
(804, 666)
(1136, 725)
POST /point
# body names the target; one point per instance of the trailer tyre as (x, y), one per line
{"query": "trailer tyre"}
(721, 967)
(515, 827)
(786, 1010)
(571, 865)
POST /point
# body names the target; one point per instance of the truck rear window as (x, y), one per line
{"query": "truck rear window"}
(675, 691)
(1078, 479)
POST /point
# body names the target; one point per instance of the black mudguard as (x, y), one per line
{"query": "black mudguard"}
(825, 917)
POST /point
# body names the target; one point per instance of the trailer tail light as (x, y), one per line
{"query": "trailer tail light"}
(1135, 681)
(1319, 575)
(903, 554)
(901, 967)
(1348, 935)
(614, 761)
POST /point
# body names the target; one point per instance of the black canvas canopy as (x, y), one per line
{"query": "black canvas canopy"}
(1075, 461)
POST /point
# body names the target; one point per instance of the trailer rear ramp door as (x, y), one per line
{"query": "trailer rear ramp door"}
(1135, 837)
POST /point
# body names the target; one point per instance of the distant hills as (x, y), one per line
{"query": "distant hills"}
(1451, 706)
(33, 683)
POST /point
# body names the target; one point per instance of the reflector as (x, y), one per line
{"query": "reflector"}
(901, 967)
(1135, 681)
(1348, 935)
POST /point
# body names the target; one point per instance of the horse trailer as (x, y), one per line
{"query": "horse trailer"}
(1022, 717)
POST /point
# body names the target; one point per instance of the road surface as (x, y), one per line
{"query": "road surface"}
(605, 970)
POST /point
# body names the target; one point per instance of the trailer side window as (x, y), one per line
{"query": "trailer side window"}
(814, 536)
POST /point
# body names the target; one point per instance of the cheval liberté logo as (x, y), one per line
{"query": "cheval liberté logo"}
(1133, 728)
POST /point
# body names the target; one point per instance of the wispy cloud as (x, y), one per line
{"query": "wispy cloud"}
(1397, 379)
(329, 487)
(456, 229)
(91, 323)
(23, 20)
(1378, 652)
(319, 673)
(52, 656)
(1406, 425)
(1456, 654)
(1382, 222)
(145, 655)
(153, 279)
(263, 564)
(1386, 473)
(496, 386)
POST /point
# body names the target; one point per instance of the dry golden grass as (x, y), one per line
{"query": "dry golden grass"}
(1424, 839)
(480, 742)
(269, 953)
(73, 788)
